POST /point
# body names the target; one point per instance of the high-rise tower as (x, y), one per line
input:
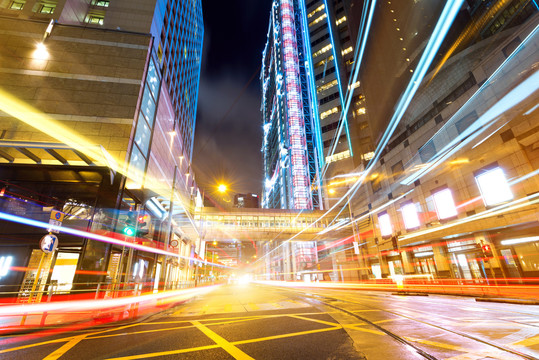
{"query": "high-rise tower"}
(290, 145)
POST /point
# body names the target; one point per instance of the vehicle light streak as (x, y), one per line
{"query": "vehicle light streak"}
(81, 314)
(525, 177)
(361, 43)
(515, 96)
(488, 136)
(40, 121)
(86, 234)
(498, 210)
(520, 240)
(442, 27)
(86, 305)
(444, 286)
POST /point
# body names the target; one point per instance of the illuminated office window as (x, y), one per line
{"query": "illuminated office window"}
(104, 3)
(409, 214)
(321, 51)
(445, 206)
(385, 224)
(96, 19)
(47, 8)
(16, 5)
(340, 21)
(325, 114)
(318, 19)
(321, 7)
(494, 187)
(326, 86)
(347, 50)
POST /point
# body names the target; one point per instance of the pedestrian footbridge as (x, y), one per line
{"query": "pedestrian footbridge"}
(244, 224)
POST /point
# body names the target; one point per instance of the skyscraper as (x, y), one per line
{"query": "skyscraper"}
(320, 36)
(291, 155)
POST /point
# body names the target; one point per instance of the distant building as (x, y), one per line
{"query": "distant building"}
(246, 201)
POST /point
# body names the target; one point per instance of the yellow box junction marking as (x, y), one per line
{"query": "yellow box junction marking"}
(163, 353)
(66, 339)
(348, 326)
(228, 347)
(56, 354)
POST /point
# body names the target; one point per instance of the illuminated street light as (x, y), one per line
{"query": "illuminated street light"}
(40, 53)
(222, 188)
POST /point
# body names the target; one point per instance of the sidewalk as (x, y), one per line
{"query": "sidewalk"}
(528, 294)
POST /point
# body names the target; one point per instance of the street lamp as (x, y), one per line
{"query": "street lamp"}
(222, 188)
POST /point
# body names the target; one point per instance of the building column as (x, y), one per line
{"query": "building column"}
(408, 267)
(440, 259)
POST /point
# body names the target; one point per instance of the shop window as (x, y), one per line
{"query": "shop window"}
(493, 186)
(444, 204)
(385, 224)
(5, 264)
(528, 256)
(64, 272)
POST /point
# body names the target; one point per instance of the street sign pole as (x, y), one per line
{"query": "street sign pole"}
(34, 285)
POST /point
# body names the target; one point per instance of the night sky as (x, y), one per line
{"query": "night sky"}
(228, 133)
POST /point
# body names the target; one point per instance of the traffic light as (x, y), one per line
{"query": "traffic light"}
(487, 250)
(129, 227)
(142, 226)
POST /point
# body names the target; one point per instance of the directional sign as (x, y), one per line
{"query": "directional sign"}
(48, 243)
(57, 215)
(56, 219)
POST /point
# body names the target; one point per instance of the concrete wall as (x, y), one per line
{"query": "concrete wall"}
(89, 82)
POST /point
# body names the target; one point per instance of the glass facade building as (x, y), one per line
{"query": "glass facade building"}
(291, 132)
(118, 80)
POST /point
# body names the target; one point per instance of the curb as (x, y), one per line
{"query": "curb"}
(509, 301)
(407, 293)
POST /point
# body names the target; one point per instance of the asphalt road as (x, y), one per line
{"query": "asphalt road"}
(261, 322)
